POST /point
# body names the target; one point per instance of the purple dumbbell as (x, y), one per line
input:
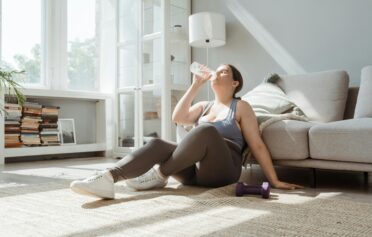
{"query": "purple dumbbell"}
(263, 190)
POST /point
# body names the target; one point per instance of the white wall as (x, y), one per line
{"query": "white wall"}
(287, 36)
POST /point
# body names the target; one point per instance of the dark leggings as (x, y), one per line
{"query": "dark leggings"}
(202, 158)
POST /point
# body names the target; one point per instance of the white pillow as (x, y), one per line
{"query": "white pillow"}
(267, 98)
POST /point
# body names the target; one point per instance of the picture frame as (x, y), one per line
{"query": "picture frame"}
(66, 128)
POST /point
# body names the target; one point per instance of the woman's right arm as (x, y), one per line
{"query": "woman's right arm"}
(184, 113)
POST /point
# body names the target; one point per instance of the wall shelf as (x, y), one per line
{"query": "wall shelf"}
(52, 150)
(45, 93)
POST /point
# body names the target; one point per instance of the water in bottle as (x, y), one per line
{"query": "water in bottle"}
(198, 69)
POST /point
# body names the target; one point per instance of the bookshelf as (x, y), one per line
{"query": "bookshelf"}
(90, 112)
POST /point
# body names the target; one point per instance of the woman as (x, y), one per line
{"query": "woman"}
(209, 155)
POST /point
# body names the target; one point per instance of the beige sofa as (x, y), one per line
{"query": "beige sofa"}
(339, 133)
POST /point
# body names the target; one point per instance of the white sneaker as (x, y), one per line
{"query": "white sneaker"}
(101, 185)
(150, 179)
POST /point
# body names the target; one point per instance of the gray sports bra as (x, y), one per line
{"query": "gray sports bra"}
(227, 127)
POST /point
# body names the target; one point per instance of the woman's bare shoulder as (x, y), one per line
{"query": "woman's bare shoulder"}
(243, 105)
(243, 108)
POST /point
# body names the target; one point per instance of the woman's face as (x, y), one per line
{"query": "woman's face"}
(224, 78)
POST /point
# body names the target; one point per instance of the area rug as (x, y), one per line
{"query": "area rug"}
(51, 209)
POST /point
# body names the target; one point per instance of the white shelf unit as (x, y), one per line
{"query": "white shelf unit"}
(153, 57)
(88, 109)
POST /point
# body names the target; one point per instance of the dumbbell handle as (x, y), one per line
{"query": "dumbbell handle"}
(253, 189)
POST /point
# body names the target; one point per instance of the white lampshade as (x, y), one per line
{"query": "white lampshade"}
(207, 30)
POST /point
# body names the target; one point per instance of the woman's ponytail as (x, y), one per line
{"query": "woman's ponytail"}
(237, 76)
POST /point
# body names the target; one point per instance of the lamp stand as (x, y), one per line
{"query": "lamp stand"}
(208, 84)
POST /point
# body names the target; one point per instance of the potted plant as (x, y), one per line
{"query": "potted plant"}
(10, 87)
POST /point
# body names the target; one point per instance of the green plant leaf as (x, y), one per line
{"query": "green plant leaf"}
(10, 87)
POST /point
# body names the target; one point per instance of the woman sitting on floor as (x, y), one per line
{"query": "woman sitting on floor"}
(211, 153)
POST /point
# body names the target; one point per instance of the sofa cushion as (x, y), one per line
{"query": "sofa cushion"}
(321, 96)
(347, 140)
(363, 107)
(287, 139)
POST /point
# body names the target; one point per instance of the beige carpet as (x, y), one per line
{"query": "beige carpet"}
(51, 209)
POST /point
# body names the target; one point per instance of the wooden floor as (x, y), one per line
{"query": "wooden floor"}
(348, 185)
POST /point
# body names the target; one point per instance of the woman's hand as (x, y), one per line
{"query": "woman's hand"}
(199, 80)
(284, 185)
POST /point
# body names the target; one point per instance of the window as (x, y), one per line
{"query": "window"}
(82, 44)
(22, 45)
(56, 43)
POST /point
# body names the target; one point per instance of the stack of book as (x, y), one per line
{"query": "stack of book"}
(30, 124)
(49, 133)
(13, 113)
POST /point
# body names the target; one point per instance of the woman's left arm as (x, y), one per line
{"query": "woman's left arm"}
(249, 126)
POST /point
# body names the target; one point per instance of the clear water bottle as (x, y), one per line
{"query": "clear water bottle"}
(198, 69)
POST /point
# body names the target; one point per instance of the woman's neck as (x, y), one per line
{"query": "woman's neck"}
(226, 100)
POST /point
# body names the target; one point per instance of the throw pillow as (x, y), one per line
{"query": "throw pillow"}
(267, 98)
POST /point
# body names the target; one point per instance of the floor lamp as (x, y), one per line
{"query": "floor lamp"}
(207, 30)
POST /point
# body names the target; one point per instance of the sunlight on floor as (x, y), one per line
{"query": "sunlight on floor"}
(300, 197)
(11, 185)
(62, 172)
(54, 172)
(80, 217)
(230, 216)
(328, 195)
